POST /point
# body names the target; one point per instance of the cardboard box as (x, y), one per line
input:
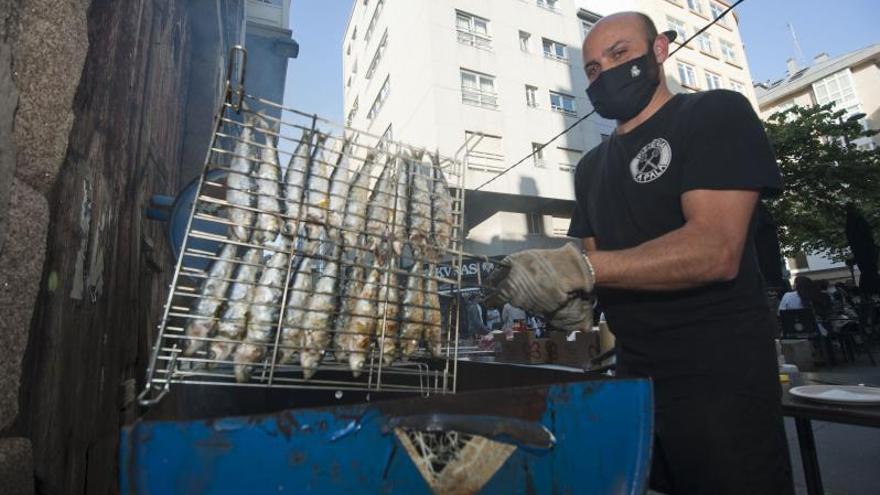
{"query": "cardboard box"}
(523, 348)
(573, 353)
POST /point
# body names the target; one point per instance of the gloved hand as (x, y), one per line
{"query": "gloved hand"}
(576, 314)
(548, 282)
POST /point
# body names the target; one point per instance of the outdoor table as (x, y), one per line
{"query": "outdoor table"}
(805, 411)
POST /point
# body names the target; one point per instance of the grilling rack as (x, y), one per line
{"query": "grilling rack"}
(210, 230)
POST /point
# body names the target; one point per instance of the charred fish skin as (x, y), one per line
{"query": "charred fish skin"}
(267, 185)
(317, 322)
(388, 312)
(412, 325)
(263, 315)
(355, 217)
(362, 323)
(291, 340)
(294, 183)
(378, 226)
(233, 324)
(442, 214)
(433, 319)
(210, 299)
(240, 185)
(420, 208)
(340, 184)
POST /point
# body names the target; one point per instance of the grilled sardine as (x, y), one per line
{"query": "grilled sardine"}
(356, 207)
(210, 299)
(412, 324)
(388, 311)
(317, 322)
(433, 327)
(294, 182)
(233, 324)
(267, 184)
(240, 185)
(263, 316)
(362, 323)
(291, 340)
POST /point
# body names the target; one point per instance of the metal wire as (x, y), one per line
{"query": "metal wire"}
(223, 229)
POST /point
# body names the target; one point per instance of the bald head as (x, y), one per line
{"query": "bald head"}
(621, 37)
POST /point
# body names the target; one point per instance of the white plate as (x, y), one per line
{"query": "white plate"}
(839, 394)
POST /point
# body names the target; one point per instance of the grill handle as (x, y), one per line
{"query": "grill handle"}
(528, 434)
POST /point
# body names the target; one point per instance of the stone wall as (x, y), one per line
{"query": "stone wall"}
(42, 50)
(95, 115)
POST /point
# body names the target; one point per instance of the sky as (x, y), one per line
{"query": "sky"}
(314, 79)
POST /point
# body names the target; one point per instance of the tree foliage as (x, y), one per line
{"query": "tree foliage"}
(822, 170)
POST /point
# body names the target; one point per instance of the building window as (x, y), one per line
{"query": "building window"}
(687, 75)
(380, 99)
(377, 57)
(524, 41)
(728, 51)
(348, 83)
(713, 81)
(569, 158)
(717, 10)
(705, 40)
(531, 96)
(535, 223)
(354, 33)
(538, 155)
(548, 4)
(695, 6)
(555, 50)
(372, 26)
(472, 30)
(487, 153)
(478, 89)
(562, 103)
(839, 89)
(354, 67)
(677, 26)
(738, 86)
(348, 50)
(386, 137)
(588, 20)
(353, 112)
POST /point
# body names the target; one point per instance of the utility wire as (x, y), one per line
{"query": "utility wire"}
(578, 121)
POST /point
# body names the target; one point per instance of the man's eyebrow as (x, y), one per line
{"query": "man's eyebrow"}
(611, 48)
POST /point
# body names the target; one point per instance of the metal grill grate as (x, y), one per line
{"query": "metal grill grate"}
(310, 261)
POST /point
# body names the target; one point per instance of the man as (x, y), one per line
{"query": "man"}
(665, 208)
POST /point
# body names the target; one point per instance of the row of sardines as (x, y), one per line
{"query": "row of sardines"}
(331, 256)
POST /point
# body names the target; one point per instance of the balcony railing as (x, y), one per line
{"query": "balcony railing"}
(474, 39)
(480, 98)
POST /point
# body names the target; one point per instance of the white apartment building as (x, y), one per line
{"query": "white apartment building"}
(435, 72)
(852, 82)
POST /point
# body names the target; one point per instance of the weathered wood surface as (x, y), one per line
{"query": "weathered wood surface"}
(91, 334)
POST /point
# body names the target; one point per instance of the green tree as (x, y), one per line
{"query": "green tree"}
(822, 170)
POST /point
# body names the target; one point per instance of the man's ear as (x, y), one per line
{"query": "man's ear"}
(661, 48)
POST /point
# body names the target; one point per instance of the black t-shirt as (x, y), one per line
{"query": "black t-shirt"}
(628, 191)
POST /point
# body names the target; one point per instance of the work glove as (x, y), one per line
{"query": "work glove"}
(555, 283)
(576, 314)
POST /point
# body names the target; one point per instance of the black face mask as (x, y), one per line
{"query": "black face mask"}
(624, 91)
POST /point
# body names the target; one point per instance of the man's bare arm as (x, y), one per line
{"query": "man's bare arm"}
(708, 248)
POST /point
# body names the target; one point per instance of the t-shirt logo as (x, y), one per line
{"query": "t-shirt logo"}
(651, 162)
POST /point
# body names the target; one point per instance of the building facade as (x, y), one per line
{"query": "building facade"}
(852, 82)
(505, 76)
